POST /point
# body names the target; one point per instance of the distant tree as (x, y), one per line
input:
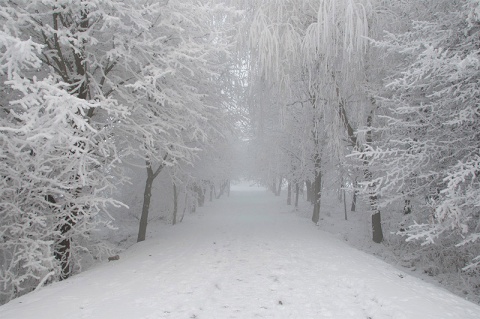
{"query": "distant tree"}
(318, 50)
(177, 101)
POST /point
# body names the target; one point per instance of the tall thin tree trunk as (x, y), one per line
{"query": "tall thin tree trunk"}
(185, 205)
(62, 245)
(175, 204)
(354, 198)
(273, 186)
(147, 196)
(377, 233)
(225, 186)
(340, 190)
(200, 194)
(297, 191)
(317, 185)
(62, 251)
(211, 192)
(201, 197)
(289, 194)
(279, 188)
(310, 191)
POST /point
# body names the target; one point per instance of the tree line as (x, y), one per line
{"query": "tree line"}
(383, 96)
(86, 87)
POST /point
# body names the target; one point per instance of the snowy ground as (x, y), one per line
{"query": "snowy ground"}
(242, 257)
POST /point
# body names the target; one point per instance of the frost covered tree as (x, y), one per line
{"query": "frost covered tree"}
(80, 78)
(317, 52)
(177, 101)
(267, 165)
(154, 58)
(78, 50)
(52, 193)
(428, 161)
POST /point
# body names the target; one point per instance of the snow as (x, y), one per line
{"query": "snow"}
(246, 256)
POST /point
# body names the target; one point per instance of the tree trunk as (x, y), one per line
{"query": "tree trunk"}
(147, 195)
(200, 195)
(289, 194)
(279, 188)
(185, 205)
(310, 191)
(297, 191)
(62, 246)
(377, 234)
(340, 190)
(175, 204)
(62, 251)
(62, 254)
(225, 186)
(211, 192)
(354, 200)
(317, 186)
(273, 186)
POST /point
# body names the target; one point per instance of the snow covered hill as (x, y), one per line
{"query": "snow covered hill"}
(241, 257)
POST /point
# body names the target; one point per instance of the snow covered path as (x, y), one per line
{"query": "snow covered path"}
(241, 257)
